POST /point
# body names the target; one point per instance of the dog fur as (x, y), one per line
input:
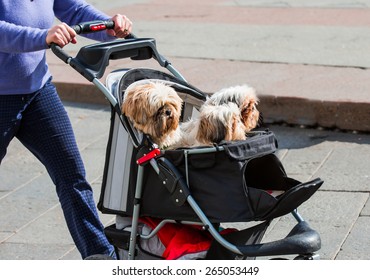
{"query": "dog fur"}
(226, 115)
(154, 109)
(214, 124)
(245, 97)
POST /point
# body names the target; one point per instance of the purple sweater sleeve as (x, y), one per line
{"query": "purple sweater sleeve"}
(17, 38)
(24, 26)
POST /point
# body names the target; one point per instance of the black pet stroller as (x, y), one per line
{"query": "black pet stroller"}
(172, 204)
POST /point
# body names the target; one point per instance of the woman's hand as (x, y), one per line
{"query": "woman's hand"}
(61, 34)
(122, 26)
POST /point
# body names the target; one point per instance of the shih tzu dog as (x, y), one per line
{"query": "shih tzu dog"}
(214, 124)
(154, 109)
(226, 115)
(245, 97)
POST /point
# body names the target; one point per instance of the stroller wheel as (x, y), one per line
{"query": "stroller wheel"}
(307, 257)
(99, 257)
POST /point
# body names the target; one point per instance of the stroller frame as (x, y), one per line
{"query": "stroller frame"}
(91, 62)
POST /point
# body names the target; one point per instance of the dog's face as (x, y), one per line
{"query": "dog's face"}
(245, 97)
(154, 109)
(222, 122)
(249, 113)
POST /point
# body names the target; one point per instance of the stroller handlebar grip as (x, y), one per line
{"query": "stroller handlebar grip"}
(93, 26)
(96, 26)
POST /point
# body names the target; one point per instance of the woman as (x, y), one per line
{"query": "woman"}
(31, 110)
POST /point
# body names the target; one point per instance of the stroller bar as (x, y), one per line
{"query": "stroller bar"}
(301, 240)
(174, 71)
(211, 228)
(136, 213)
(297, 216)
(112, 100)
(93, 59)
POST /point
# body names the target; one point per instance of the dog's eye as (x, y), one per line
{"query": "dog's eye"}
(245, 111)
(161, 111)
(250, 109)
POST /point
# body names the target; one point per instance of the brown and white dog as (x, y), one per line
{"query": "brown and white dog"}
(154, 109)
(214, 124)
(226, 115)
(245, 97)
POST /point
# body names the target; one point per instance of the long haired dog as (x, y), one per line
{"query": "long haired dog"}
(227, 115)
(214, 124)
(245, 97)
(154, 109)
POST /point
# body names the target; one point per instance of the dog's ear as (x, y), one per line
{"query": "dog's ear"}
(124, 105)
(211, 130)
(135, 104)
(236, 129)
(250, 114)
(128, 107)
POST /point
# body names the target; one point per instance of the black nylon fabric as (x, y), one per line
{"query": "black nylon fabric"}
(226, 189)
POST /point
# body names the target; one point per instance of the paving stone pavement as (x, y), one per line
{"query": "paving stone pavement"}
(307, 60)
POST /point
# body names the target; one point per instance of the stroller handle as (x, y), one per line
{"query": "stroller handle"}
(91, 60)
(85, 28)
(96, 26)
(93, 26)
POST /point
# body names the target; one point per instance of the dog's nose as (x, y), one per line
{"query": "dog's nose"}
(168, 112)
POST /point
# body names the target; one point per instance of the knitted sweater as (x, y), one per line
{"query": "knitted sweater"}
(24, 25)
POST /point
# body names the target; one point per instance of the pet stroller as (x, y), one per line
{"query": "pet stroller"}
(173, 204)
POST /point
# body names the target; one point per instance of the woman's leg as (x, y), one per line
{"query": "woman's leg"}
(47, 132)
(11, 108)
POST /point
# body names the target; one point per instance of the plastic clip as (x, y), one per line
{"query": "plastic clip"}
(147, 157)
